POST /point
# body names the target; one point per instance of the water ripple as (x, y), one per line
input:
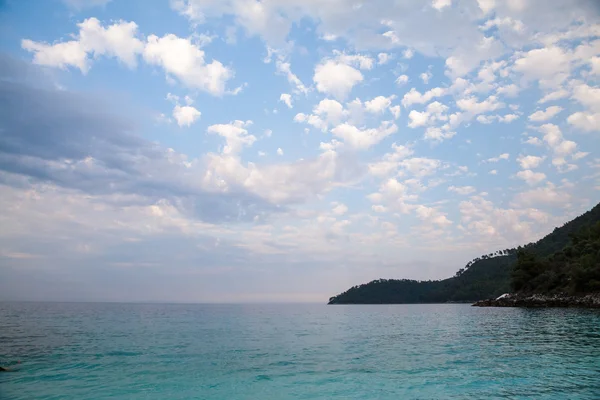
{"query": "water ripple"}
(101, 351)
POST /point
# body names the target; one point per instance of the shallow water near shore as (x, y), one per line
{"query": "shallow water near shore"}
(154, 351)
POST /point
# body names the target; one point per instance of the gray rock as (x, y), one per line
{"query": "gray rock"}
(591, 300)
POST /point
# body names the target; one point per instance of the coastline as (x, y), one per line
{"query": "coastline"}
(591, 300)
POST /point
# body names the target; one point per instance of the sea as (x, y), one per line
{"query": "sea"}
(302, 351)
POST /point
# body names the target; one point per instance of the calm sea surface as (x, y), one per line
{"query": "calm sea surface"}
(150, 351)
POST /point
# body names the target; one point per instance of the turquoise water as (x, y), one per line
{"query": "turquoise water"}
(135, 351)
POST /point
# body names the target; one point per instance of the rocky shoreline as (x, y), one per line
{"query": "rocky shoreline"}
(542, 301)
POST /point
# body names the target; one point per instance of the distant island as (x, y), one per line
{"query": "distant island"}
(562, 269)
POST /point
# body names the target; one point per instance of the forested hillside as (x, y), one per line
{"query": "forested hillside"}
(566, 260)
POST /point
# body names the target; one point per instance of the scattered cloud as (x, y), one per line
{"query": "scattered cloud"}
(336, 78)
(530, 162)
(286, 99)
(405, 106)
(118, 40)
(402, 79)
(503, 156)
(185, 115)
(426, 76)
(462, 190)
(441, 4)
(549, 113)
(532, 178)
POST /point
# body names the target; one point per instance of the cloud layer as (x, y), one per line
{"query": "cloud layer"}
(285, 150)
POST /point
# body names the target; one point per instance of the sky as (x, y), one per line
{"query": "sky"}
(285, 150)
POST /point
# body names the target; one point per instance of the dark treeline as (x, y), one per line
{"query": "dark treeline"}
(566, 260)
(574, 270)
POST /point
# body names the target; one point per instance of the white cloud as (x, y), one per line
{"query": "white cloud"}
(413, 96)
(396, 111)
(486, 5)
(434, 112)
(554, 138)
(508, 118)
(117, 40)
(418, 119)
(565, 147)
(529, 162)
(466, 58)
(183, 59)
(510, 90)
(326, 113)
(585, 121)
(279, 151)
(482, 219)
(336, 78)
(379, 104)
(186, 115)
(560, 147)
(580, 154)
(437, 134)
(534, 141)
(286, 99)
(432, 216)
(383, 58)
(394, 194)
(506, 22)
(378, 208)
(402, 80)
(172, 98)
(553, 96)
(595, 65)
(356, 60)
(485, 119)
(363, 138)
(284, 68)
(547, 195)
(426, 76)
(487, 74)
(441, 4)
(390, 162)
(493, 172)
(488, 119)
(331, 109)
(549, 65)
(462, 190)
(408, 54)
(503, 156)
(532, 178)
(339, 209)
(60, 55)
(589, 97)
(236, 135)
(420, 166)
(473, 107)
(549, 113)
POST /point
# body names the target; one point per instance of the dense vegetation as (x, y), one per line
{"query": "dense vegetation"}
(574, 269)
(489, 276)
(566, 260)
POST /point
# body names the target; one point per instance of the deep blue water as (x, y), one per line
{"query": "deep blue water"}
(144, 351)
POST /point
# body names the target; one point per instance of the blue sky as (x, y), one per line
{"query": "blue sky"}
(233, 151)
